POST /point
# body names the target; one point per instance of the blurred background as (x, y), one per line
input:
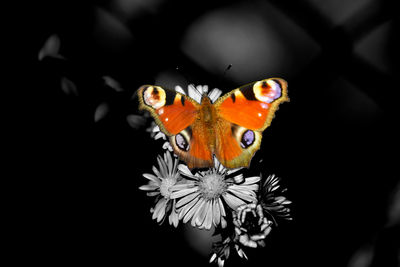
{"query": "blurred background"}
(334, 144)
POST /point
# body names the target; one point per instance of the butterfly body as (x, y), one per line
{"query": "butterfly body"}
(229, 129)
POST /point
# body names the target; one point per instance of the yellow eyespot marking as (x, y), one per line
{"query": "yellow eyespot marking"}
(154, 96)
(267, 91)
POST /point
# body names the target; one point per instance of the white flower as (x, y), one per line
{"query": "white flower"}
(273, 203)
(251, 226)
(204, 195)
(160, 186)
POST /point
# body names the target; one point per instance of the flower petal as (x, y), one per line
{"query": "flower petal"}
(214, 94)
(159, 135)
(242, 187)
(194, 93)
(223, 222)
(221, 262)
(156, 172)
(168, 161)
(156, 129)
(135, 121)
(151, 177)
(233, 170)
(216, 212)
(168, 146)
(186, 185)
(252, 187)
(252, 180)
(201, 213)
(240, 252)
(221, 207)
(159, 209)
(163, 167)
(244, 239)
(183, 201)
(199, 88)
(101, 111)
(194, 209)
(184, 169)
(183, 192)
(232, 201)
(50, 48)
(173, 217)
(221, 168)
(185, 209)
(180, 90)
(209, 216)
(248, 196)
(152, 194)
(213, 257)
(148, 187)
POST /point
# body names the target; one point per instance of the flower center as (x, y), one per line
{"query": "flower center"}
(165, 187)
(251, 224)
(212, 186)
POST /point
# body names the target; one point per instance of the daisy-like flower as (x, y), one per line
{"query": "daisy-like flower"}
(272, 202)
(251, 226)
(204, 195)
(194, 92)
(159, 186)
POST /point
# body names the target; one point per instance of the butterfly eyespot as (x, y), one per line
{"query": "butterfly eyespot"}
(247, 139)
(267, 91)
(181, 142)
(154, 97)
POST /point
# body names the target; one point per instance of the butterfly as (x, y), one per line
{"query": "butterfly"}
(229, 129)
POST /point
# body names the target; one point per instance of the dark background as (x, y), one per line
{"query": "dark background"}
(334, 144)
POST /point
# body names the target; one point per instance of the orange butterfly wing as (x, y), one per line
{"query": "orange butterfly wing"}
(172, 111)
(177, 117)
(243, 114)
(231, 128)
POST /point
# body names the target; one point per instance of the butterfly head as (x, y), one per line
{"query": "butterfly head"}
(205, 98)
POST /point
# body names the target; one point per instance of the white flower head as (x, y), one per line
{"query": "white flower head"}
(202, 197)
(251, 226)
(160, 186)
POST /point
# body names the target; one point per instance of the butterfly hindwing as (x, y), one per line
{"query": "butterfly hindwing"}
(236, 145)
(192, 146)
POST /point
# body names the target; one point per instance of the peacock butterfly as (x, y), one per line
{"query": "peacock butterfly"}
(231, 128)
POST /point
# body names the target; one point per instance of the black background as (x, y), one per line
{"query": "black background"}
(333, 144)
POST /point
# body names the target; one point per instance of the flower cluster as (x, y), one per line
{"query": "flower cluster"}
(243, 210)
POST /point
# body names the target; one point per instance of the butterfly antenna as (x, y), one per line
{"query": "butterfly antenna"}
(227, 68)
(220, 80)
